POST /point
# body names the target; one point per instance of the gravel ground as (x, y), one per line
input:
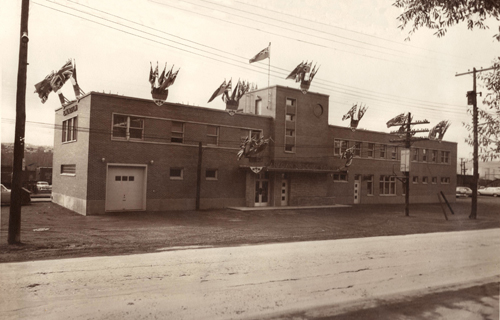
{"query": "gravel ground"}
(49, 231)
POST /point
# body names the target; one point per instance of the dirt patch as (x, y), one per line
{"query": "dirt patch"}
(49, 231)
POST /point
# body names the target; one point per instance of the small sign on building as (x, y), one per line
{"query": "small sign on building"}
(405, 160)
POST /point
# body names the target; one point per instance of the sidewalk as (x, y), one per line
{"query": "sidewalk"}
(49, 231)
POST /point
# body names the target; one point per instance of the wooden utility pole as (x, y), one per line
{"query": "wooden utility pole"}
(407, 172)
(472, 95)
(14, 236)
(198, 175)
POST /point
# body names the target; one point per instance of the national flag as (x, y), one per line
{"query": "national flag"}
(296, 71)
(313, 73)
(225, 96)
(43, 88)
(263, 54)
(437, 133)
(151, 75)
(62, 76)
(74, 81)
(233, 96)
(350, 113)
(161, 79)
(218, 92)
(398, 120)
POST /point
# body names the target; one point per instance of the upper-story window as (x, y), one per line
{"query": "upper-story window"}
(128, 127)
(245, 133)
(382, 151)
(290, 109)
(69, 129)
(434, 155)
(212, 135)
(445, 157)
(370, 151)
(394, 153)
(177, 134)
(289, 132)
(340, 146)
(258, 106)
(424, 155)
(357, 148)
(415, 154)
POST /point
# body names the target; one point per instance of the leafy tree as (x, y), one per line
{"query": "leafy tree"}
(439, 15)
(442, 14)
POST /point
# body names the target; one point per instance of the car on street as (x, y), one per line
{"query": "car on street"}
(490, 191)
(43, 186)
(6, 196)
(463, 192)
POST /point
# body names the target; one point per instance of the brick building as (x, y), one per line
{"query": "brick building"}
(117, 153)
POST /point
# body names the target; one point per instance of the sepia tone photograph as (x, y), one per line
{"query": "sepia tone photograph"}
(238, 159)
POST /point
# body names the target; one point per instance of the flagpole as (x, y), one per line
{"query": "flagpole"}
(269, 79)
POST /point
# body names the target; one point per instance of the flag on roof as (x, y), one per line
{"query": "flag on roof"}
(263, 54)
(161, 79)
(151, 75)
(350, 113)
(61, 76)
(437, 133)
(74, 81)
(398, 120)
(43, 88)
(218, 92)
(296, 71)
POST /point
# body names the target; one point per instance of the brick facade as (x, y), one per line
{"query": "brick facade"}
(300, 161)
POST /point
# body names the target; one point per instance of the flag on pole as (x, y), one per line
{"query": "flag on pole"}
(218, 92)
(398, 120)
(74, 81)
(61, 76)
(265, 53)
(43, 88)
(151, 75)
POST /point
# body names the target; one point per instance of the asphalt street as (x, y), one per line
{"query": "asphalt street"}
(250, 282)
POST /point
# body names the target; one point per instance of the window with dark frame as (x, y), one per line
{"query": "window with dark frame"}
(340, 146)
(211, 174)
(128, 127)
(69, 129)
(340, 176)
(445, 157)
(176, 173)
(357, 148)
(212, 135)
(415, 154)
(370, 150)
(382, 151)
(177, 132)
(387, 185)
(369, 185)
(394, 153)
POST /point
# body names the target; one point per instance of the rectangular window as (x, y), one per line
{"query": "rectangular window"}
(254, 134)
(394, 153)
(177, 133)
(424, 155)
(290, 117)
(211, 174)
(445, 157)
(340, 146)
(176, 173)
(258, 106)
(69, 129)
(445, 180)
(383, 149)
(425, 180)
(290, 102)
(340, 176)
(68, 169)
(434, 155)
(289, 132)
(387, 185)
(357, 148)
(371, 150)
(289, 147)
(415, 154)
(434, 180)
(127, 127)
(212, 135)
(369, 185)
(415, 179)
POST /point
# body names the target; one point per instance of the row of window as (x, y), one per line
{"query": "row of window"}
(387, 183)
(383, 151)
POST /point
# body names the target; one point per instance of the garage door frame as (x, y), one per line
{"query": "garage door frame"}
(144, 187)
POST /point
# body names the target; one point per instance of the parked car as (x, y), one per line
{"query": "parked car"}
(43, 186)
(463, 192)
(490, 191)
(6, 195)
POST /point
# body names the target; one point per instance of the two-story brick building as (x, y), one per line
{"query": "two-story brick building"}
(117, 153)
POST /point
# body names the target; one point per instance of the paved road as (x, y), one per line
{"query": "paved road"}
(250, 281)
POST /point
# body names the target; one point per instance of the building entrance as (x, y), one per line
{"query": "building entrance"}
(262, 190)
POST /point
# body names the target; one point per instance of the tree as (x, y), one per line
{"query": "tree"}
(439, 15)
(442, 14)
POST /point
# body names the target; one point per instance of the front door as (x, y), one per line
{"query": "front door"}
(357, 188)
(262, 190)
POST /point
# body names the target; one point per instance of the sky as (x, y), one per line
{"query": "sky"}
(362, 55)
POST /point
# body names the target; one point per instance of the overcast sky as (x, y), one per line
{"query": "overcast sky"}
(361, 51)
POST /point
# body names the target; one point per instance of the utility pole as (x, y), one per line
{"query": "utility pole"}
(14, 234)
(198, 175)
(405, 127)
(472, 100)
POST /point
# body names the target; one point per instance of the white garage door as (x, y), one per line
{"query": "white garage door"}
(125, 188)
